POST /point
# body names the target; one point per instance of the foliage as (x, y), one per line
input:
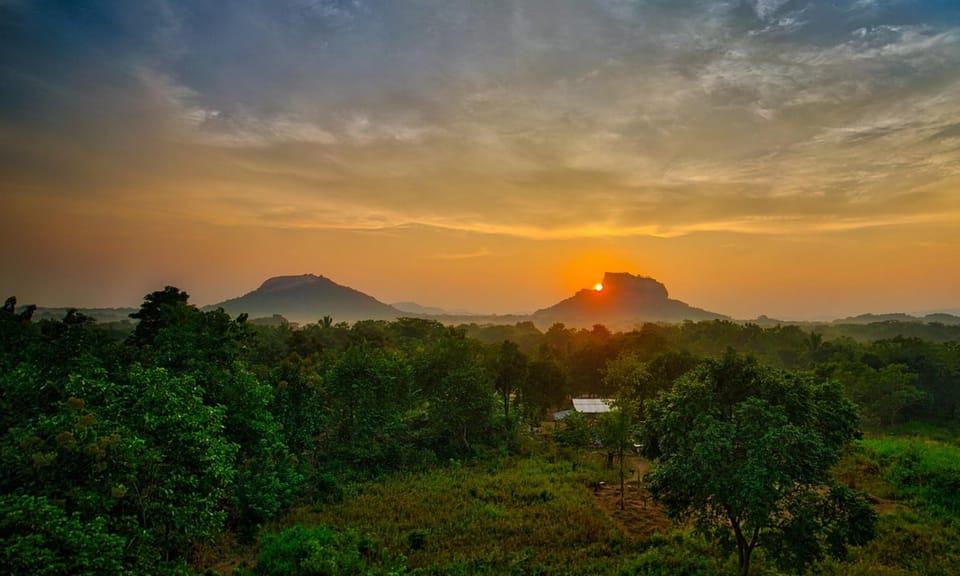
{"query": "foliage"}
(147, 443)
(616, 432)
(370, 394)
(884, 394)
(522, 516)
(186, 466)
(458, 388)
(544, 386)
(924, 470)
(746, 449)
(38, 537)
(266, 478)
(575, 431)
(676, 554)
(321, 552)
(298, 401)
(510, 369)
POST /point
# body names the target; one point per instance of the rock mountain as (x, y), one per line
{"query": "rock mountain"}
(308, 298)
(625, 301)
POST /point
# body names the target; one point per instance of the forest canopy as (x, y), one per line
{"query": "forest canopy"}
(127, 450)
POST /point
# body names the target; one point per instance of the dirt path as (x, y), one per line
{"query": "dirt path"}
(641, 516)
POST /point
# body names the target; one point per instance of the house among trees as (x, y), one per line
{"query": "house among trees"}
(589, 407)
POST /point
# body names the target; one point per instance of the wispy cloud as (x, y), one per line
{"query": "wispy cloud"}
(478, 253)
(572, 119)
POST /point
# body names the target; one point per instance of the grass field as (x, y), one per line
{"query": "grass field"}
(553, 513)
(513, 515)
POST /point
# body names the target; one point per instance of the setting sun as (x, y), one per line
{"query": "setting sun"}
(598, 287)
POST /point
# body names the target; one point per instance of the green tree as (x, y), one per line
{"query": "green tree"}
(38, 537)
(187, 464)
(745, 449)
(370, 393)
(159, 309)
(299, 401)
(459, 393)
(544, 387)
(883, 394)
(616, 430)
(266, 477)
(17, 335)
(510, 370)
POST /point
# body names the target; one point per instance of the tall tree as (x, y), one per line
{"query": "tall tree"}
(159, 309)
(459, 391)
(545, 386)
(746, 449)
(509, 373)
(616, 429)
(369, 394)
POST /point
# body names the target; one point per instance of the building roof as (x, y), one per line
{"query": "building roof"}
(592, 405)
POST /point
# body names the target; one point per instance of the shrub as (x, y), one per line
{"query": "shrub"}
(321, 551)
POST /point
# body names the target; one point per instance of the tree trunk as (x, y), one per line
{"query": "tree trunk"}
(744, 549)
(622, 506)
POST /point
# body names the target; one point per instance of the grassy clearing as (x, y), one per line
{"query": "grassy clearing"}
(944, 432)
(914, 480)
(543, 514)
(512, 513)
(926, 472)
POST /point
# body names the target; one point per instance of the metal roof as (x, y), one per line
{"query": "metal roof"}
(592, 405)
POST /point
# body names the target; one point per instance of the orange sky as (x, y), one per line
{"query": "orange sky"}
(760, 159)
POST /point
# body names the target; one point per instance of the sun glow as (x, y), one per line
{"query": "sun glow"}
(598, 287)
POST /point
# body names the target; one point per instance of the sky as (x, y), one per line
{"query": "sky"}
(799, 159)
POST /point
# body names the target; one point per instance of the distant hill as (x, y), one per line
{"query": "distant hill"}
(942, 318)
(308, 298)
(624, 301)
(414, 308)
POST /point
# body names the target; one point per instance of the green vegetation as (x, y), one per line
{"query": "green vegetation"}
(746, 449)
(197, 442)
(501, 515)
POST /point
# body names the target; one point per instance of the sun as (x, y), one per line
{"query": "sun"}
(598, 287)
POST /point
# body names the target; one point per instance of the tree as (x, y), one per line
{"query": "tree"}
(616, 430)
(459, 392)
(510, 371)
(545, 386)
(159, 309)
(883, 394)
(186, 465)
(299, 401)
(38, 537)
(746, 449)
(369, 394)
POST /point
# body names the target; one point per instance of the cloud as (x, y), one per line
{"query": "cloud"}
(767, 9)
(606, 119)
(479, 253)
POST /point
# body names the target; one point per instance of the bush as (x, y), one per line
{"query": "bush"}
(674, 555)
(321, 552)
